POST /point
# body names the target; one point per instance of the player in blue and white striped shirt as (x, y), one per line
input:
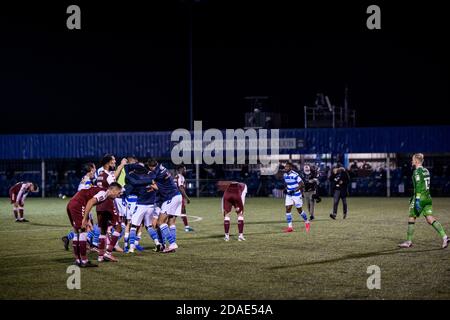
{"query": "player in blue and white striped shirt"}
(294, 186)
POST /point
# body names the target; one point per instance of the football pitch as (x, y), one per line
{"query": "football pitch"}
(328, 263)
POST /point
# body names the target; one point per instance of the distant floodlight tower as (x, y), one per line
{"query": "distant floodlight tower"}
(260, 115)
(324, 114)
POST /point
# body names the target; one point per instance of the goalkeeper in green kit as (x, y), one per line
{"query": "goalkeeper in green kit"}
(421, 203)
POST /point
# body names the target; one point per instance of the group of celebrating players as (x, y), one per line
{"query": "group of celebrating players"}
(132, 195)
(129, 197)
(149, 197)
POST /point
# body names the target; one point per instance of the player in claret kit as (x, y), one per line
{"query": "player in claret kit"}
(77, 210)
(17, 194)
(107, 214)
(85, 183)
(234, 196)
(180, 181)
(421, 203)
(294, 186)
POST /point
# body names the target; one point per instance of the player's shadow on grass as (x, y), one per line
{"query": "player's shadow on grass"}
(354, 256)
(284, 222)
(220, 236)
(215, 236)
(266, 222)
(68, 260)
(50, 225)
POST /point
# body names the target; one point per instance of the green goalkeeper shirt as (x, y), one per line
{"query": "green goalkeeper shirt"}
(421, 183)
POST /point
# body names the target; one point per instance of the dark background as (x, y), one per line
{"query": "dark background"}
(127, 69)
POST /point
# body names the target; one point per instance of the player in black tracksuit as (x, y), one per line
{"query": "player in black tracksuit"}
(339, 180)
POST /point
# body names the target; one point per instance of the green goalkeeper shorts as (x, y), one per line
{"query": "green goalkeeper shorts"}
(426, 211)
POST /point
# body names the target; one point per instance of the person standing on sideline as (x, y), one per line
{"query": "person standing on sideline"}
(310, 178)
(339, 180)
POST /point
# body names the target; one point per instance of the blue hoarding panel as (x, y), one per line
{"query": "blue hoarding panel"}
(157, 144)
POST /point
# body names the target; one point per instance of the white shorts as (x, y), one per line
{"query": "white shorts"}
(153, 214)
(121, 206)
(294, 200)
(173, 206)
(145, 213)
(131, 207)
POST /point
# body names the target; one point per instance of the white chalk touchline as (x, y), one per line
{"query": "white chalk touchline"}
(197, 218)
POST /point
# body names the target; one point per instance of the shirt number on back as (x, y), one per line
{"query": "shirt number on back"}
(427, 183)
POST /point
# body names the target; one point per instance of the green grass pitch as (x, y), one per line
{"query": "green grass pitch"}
(328, 263)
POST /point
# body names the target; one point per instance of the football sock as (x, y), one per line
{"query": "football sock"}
(132, 238)
(226, 224)
(410, 233)
(304, 216)
(166, 234)
(438, 227)
(173, 232)
(138, 238)
(16, 213)
(125, 239)
(90, 236)
(289, 219)
(112, 243)
(82, 246)
(185, 221)
(75, 247)
(70, 235)
(101, 246)
(96, 239)
(153, 234)
(160, 237)
(241, 224)
(21, 213)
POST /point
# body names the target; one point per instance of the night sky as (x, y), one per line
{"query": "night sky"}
(128, 68)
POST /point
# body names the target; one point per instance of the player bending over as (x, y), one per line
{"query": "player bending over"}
(77, 209)
(85, 183)
(234, 196)
(294, 185)
(17, 194)
(421, 203)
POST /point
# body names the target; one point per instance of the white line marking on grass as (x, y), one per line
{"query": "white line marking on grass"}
(197, 218)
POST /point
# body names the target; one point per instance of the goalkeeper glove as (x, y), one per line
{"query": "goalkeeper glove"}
(417, 205)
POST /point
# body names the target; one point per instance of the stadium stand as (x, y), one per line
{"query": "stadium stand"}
(63, 155)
